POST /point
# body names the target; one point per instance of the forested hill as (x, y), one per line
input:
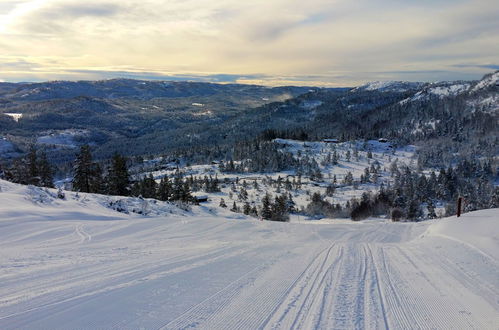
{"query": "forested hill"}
(112, 115)
(204, 120)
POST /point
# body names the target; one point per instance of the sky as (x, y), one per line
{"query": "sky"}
(269, 42)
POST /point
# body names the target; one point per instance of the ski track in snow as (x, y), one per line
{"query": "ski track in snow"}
(207, 273)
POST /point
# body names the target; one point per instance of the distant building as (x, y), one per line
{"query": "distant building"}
(201, 198)
(330, 141)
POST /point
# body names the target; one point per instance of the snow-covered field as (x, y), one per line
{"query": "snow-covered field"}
(62, 138)
(384, 154)
(77, 264)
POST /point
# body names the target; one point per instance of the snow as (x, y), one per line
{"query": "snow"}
(14, 115)
(488, 80)
(453, 90)
(64, 138)
(483, 236)
(379, 85)
(382, 153)
(310, 105)
(389, 86)
(77, 264)
(441, 90)
(5, 145)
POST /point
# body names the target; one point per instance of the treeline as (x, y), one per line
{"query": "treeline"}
(177, 188)
(33, 168)
(414, 195)
(275, 208)
(258, 156)
(90, 177)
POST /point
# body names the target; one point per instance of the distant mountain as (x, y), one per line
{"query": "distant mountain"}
(390, 86)
(206, 120)
(153, 116)
(129, 88)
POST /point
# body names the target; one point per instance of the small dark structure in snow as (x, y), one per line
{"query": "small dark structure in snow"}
(201, 198)
(330, 141)
(382, 140)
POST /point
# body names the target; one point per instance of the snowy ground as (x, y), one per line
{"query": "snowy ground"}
(382, 153)
(77, 264)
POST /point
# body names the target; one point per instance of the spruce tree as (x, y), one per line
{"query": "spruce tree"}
(118, 178)
(84, 170)
(222, 203)
(431, 210)
(246, 208)
(164, 189)
(32, 163)
(45, 172)
(266, 211)
(186, 196)
(234, 207)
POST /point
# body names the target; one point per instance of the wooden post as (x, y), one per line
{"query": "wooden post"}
(459, 206)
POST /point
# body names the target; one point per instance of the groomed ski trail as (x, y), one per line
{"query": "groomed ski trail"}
(207, 273)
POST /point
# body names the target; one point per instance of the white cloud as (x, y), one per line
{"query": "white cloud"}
(321, 41)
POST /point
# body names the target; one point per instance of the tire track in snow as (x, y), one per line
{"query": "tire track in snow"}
(312, 303)
(347, 311)
(324, 302)
(374, 288)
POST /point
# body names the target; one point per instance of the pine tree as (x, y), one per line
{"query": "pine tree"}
(266, 211)
(85, 171)
(18, 172)
(254, 211)
(222, 203)
(330, 189)
(234, 207)
(118, 178)
(164, 189)
(280, 209)
(186, 196)
(32, 163)
(45, 172)
(177, 187)
(431, 210)
(348, 180)
(246, 208)
(243, 194)
(414, 210)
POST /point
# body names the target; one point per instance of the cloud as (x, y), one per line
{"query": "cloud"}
(330, 42)
(483, 66)
(16, 65)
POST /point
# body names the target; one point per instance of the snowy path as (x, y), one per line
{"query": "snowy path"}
(203, 272)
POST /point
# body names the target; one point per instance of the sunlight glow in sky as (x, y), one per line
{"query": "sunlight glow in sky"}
(271, 42)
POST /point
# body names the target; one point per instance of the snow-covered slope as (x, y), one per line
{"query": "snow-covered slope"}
(489, 80)
(390, 86)
(77, 264)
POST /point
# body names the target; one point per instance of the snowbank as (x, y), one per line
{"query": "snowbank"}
(479, 230)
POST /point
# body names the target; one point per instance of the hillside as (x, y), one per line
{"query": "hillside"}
(77, 263)
(202, 121)
(153, 116)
